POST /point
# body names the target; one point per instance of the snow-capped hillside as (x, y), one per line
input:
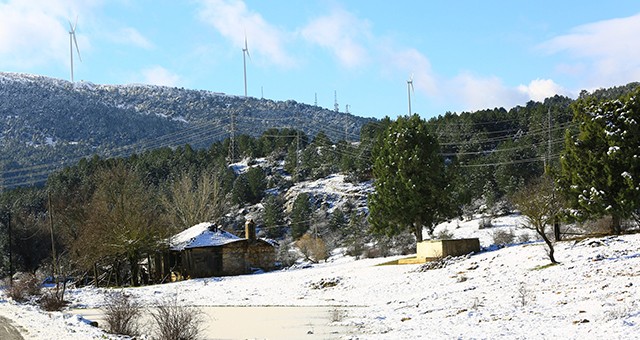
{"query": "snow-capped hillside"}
(508, 293)
(333, 190)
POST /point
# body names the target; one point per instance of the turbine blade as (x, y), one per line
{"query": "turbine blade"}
(246, 46)
(76, 43)
(76, 24)
(71, 28)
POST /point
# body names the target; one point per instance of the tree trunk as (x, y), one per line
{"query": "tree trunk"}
(556, 230)
(549, 245)
(615, 225)
(133, 262)
(95, 274)
(417, 230)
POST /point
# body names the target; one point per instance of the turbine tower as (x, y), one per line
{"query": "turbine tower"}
(73, 41)
(409, 90)
(245, 54)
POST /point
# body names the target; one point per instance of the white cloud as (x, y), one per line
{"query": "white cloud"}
(232, 19)
(34, 33)
(341, 33)
(605, 52)
(412, 63)
(158, 75)
(474, 93)
(540, 89)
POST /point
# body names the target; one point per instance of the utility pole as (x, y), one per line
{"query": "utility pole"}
(549, 136)
(10, 249)
(53, 244)
(297, 143)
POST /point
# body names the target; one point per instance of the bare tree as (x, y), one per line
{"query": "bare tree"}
(189, 202)
(125, 220)
(540, 203)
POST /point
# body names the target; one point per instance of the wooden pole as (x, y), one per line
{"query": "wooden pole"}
(53, 243)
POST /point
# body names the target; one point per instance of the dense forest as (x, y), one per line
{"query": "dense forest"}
(487, 156)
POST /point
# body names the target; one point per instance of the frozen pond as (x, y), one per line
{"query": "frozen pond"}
(265, 322)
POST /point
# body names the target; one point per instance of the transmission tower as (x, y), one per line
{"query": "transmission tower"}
(346, 131)
(336, 107)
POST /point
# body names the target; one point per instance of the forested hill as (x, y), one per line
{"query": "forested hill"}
(45, 122)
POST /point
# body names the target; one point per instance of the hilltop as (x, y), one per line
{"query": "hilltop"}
(49, 122)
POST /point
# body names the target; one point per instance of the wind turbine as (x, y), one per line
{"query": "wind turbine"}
(409, 90)
(245, 54)
(72, 41)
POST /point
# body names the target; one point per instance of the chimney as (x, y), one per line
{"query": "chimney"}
(250, 230)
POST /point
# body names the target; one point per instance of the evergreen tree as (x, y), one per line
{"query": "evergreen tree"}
(300, 216)
(601, 164)
(257, 182)
(410, 180)
(273, 216)
(241, 193)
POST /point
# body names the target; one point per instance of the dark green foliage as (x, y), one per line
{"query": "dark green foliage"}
(300, 216)
(274, 216)
(338, 221)
(410, 180)
(601, 164)
(241, 193)
(257, 183)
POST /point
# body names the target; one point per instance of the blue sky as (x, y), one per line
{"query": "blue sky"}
(463, 55)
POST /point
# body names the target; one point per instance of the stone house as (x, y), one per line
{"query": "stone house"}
(204, 250)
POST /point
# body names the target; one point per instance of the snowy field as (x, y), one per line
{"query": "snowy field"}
(507, 293)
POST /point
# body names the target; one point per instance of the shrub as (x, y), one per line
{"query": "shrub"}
(313, 249)
(284, 256)
(25, 287)
(444, 234)
(485, 223)
(52, 301)
(122, 313)
(177, 322)
(503, 237)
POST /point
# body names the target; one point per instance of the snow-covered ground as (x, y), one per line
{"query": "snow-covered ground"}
(505, 293)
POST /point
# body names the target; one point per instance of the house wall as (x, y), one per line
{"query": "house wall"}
(261, 254)
(234, 258)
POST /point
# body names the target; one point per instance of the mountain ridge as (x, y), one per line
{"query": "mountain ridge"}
(45, 121)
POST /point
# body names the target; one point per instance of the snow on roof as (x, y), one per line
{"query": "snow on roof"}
(201, 236)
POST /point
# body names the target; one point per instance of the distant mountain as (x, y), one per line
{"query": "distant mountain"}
(46, 122)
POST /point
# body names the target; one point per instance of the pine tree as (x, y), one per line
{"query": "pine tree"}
(273, 216)
(410, 179)
(300, 216)
(601, 164)
(257, 182)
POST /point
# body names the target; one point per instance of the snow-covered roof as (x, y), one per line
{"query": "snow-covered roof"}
(200, 235)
